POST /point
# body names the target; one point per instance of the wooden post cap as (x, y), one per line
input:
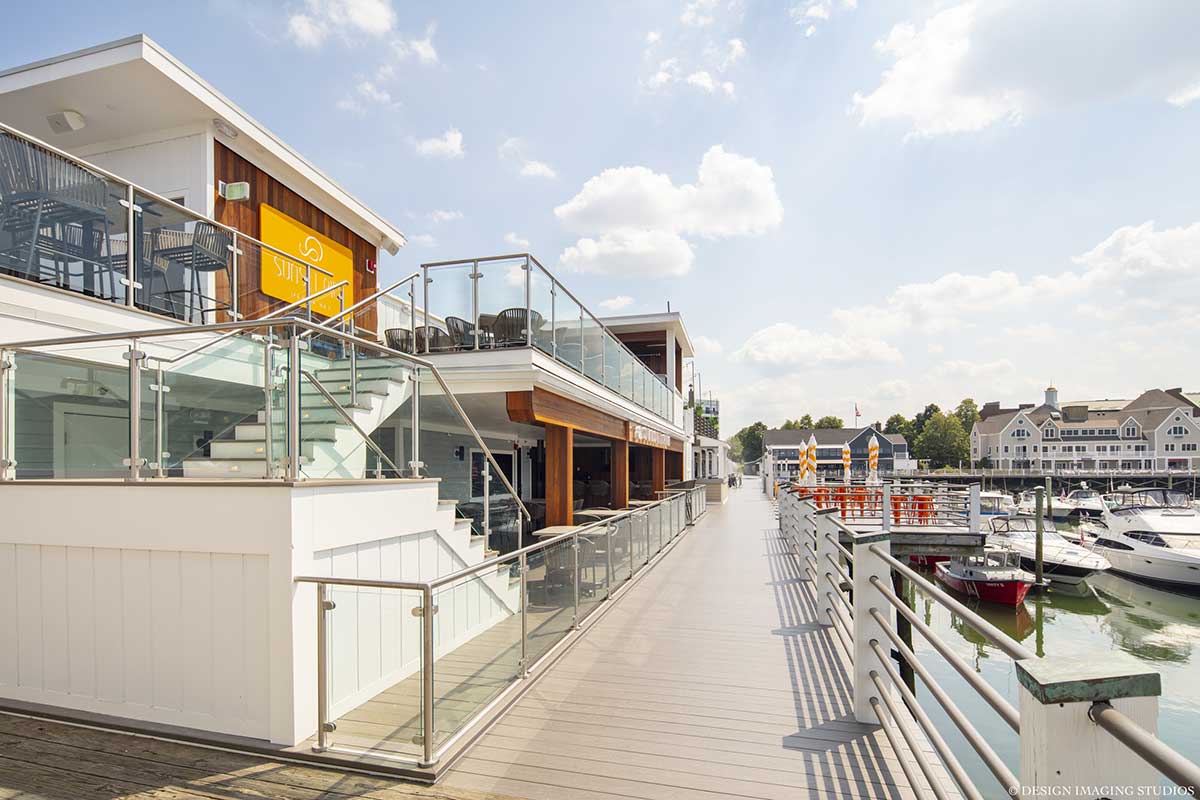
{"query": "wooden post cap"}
(1079, 680)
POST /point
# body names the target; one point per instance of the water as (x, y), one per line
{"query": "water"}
(1159, 628)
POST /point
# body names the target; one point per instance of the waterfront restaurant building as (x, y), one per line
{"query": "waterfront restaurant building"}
(782, 449)
(161, 493)
(1157, 430)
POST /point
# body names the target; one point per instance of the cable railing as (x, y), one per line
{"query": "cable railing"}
(512, 300)
(529, 604)
(70, 224)
(1083, 727)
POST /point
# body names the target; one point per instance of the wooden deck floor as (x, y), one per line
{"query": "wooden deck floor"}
(710, 678)
(41, 760)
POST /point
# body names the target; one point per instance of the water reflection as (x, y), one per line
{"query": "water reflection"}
(1152, 624)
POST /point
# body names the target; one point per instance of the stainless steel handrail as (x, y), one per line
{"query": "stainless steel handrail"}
(1150, 748)
(914, 747)
(297, 322)
(158, 198)
(332, 322)
(985, 628)
(344, 414)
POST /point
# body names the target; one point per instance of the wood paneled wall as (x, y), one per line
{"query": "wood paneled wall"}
(244, 215)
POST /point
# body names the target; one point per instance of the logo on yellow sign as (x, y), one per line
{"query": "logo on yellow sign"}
(283, 278)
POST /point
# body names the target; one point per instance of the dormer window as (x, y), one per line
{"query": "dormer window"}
(1049, 432)
(1177, 430)
(1131, 431)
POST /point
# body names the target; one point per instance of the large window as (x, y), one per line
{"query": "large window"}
(507, 462)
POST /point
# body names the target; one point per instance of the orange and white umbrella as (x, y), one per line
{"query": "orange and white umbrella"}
(846, 461)
(873, 459)
(812, 457)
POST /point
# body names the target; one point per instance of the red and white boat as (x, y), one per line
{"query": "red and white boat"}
(995, 577)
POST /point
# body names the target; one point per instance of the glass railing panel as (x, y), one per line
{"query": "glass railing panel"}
(448, 323)
(183, 265)
(593, 348)
(542, 305)
(211, 420)
(60, 223)
(621, 544)
(612, 362)
(593, 574)
(373, 658)
(70, 412)
(657, 525)
(627, 368)
(643, 541)
(568, 330)
(551, 581)
(502, 314)
(287, 279)
(477, 644)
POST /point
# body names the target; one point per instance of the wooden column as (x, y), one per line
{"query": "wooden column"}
(560, 469)
(620, 473)
(658, 470)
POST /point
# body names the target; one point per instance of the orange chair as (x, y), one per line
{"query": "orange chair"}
(924, 507)
(860, 500)
(898, 504)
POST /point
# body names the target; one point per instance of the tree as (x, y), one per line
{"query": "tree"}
(967, 413)
(898, 423)
(802, 424)
(829, 421)
(806, 422)
(749, 442)
(942, 441)
(922, 417)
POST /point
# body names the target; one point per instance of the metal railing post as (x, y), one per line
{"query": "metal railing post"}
(825, 528)
(160, 391)
(427, 683)
(293, 405)
(528, 304)
(134, 462)
(324, 725)
(308, 291)
(608, 581)
(475, 275)
(353, 367)
(886, 510)
(234, 304)
(1060, 746)
(414, 461)
(575, 580)
(865, 626)
(8, 365)
(487, 497)
(425, 280)
(269, 403)
(132, 246)
(412, 313)
(523, 566)
(553, 320)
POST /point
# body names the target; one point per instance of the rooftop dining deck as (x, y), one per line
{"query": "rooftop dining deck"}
(709, 677)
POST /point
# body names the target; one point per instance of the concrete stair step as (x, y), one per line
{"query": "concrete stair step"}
(314, 432)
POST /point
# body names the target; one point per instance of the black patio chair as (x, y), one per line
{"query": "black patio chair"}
(399, 339)
(432, 340)
(511, 328)
(461, 333)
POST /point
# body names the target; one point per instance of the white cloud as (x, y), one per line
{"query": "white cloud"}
(705, 81)
(653, 38)
(513, 150)
(936, 306)
(616, 303)
(423, 239)
(448, 145)
(974, 64)
(666, 74)
(642, 217)
(630, 253)
(440, 215)
(422, 49)
(516, 241)
(707, 346)
(783, 345)
(735, 51)
(699, 13)
(812, 13)
(346, 18)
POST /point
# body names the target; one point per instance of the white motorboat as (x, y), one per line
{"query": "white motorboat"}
(993, 504)
(1062, 561)
(1151, 535)
(1081, 502)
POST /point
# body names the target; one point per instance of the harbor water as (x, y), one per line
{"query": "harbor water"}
(1105, 614)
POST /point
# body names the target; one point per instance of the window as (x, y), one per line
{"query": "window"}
(1169, 447)
(1130, 431)
(1006, 448)
(1020, 433)
(1188, 447)
(507, 462)
(1177, 430)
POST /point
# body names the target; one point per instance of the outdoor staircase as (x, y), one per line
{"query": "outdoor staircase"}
(330, 448)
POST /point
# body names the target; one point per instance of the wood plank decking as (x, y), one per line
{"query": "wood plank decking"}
(710, 678)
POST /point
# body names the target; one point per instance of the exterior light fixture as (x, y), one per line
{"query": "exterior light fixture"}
(66, 121)
(224, 128)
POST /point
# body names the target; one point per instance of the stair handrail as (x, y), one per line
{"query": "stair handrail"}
(344, 414)
(299, 323)
(336, 319)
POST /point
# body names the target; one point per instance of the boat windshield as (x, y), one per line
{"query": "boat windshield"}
(1149, 498)
(1177, 541)
(1084, 494)
(1025, 528)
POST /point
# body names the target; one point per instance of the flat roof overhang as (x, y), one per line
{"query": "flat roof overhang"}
(644, 323)
(521, 369)
(132, 88)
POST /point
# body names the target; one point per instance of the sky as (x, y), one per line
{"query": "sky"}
(871, 204)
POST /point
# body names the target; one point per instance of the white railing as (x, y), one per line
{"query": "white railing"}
(1084, 728)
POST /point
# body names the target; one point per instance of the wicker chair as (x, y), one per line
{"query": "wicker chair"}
(399, 339)
(431, 339)
(461, 333)
(511, 329)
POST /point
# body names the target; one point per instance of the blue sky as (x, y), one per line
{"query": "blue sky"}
(882, 203)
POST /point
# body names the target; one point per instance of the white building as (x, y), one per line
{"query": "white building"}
(1159, 430)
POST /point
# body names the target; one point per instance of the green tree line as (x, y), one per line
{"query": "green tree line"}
(941, 438)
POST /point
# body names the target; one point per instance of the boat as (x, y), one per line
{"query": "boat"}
(1078, 503)
(1150, 535)
(994, 577)
(992, 504)
(1062, 560)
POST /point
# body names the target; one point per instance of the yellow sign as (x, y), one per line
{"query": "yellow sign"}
(283, 278)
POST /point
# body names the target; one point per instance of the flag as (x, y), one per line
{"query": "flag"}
(857, 413)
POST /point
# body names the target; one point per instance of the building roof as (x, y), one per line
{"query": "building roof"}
(826, 437)
(641, 323)
(1149, 409)
(130, 87)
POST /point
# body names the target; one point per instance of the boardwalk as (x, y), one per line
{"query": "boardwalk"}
(708, 679)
